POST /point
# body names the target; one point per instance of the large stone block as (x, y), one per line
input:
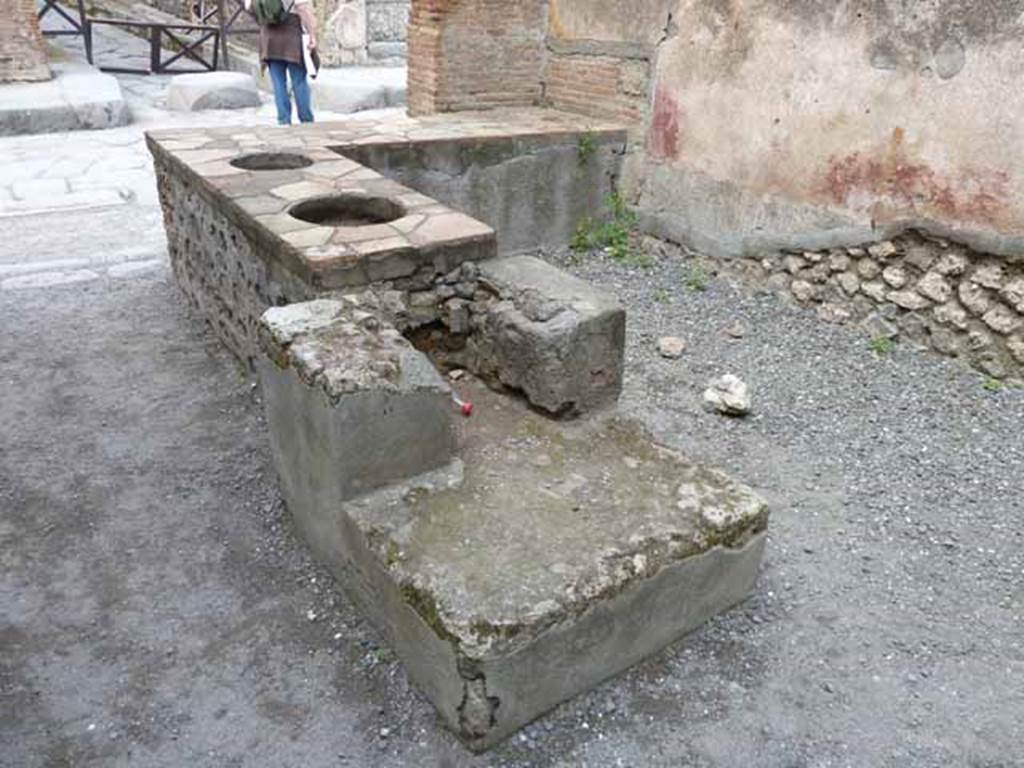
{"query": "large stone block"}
(551, 335)
(78, 98)
(212, 90)
(350, 404)
(560, 555)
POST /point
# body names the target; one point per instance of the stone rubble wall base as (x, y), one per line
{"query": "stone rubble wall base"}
(935, 292)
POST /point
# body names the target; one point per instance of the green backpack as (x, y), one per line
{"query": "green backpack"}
(270, 12)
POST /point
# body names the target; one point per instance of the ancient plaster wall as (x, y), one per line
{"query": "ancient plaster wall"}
(22, 53)
(792, 123)
(767, 124)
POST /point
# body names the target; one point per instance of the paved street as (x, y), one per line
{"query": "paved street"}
(82, 206)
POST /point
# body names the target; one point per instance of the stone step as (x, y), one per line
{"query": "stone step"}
(549, 556)
(79, 97)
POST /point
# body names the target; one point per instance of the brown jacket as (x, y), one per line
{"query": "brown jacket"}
(282, 42)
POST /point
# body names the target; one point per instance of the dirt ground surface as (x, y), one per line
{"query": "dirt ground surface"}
(156, 608)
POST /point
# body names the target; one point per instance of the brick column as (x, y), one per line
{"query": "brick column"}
(22, 54)
(475, 54)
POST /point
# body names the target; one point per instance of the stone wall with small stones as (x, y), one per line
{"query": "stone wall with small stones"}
(219, 270)
(930, 290)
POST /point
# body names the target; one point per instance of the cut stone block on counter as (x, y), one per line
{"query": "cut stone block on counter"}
(551, 335)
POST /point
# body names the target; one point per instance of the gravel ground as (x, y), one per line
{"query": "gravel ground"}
(156, 608)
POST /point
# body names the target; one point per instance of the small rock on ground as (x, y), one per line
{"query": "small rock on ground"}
(671, 347)
(729, 395)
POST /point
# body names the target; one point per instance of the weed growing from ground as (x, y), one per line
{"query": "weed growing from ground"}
(613, 234)
(661, 296)
(696, 277)
(882, 345)
(992, 385)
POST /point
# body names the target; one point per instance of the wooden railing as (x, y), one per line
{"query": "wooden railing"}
(168, 44)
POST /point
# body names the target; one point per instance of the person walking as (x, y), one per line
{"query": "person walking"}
(287, 29)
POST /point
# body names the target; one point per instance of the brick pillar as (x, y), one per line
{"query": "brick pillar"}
(22, 54)
(475, 54)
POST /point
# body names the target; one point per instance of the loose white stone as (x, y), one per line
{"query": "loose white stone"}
(737, 330)
(728, 394)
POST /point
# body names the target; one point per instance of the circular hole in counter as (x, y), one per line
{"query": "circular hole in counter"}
(272, 161)
(347, 210)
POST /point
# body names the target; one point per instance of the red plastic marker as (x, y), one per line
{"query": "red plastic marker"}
(465, 408)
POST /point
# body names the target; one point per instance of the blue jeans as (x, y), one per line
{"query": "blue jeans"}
(280, 71)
